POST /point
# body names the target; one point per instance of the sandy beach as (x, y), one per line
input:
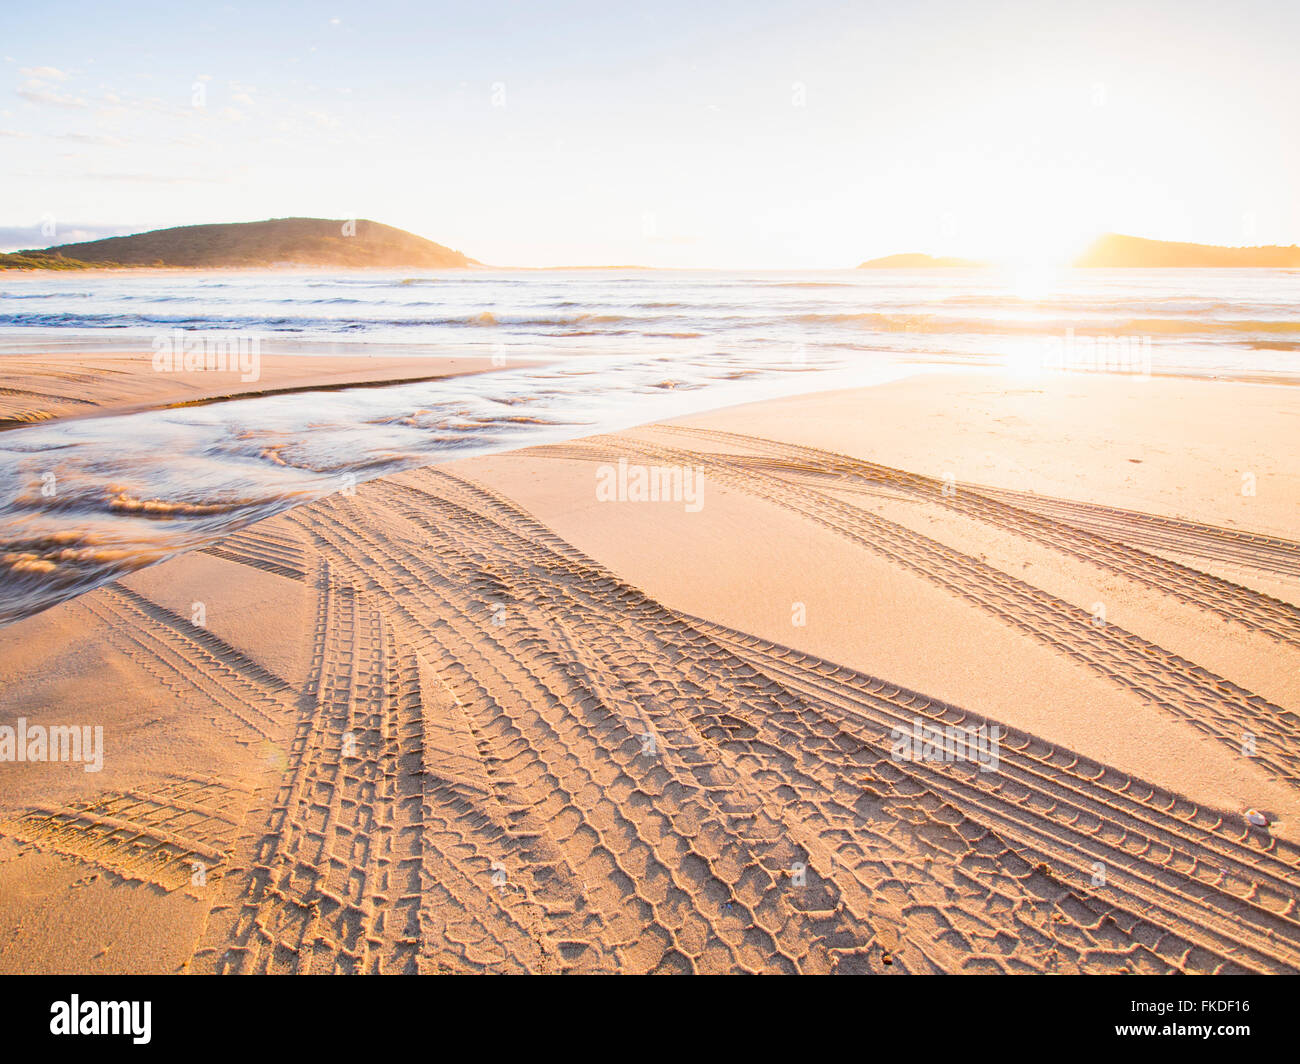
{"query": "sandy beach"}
(505, 715)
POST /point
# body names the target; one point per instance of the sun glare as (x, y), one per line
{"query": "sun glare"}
(1032, 281)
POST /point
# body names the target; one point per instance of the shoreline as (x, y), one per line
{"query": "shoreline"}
(29, 372)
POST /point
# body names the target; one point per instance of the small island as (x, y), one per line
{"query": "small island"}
(343, 243)
(1116, 251)
(916, 261)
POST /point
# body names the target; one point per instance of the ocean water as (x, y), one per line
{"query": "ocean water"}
(580, 351)
(1200, 321)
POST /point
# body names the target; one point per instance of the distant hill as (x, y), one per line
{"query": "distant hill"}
(916, 261)
(38, 260)
(279, 241)
(1117, 251)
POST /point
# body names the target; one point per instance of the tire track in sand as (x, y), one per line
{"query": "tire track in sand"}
(557, 702)
(1210, 703)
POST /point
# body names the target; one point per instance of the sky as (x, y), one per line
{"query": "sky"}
(757, 134)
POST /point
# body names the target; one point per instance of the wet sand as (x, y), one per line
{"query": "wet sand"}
(53, 385)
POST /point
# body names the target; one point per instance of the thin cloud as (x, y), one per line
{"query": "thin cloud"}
(43, 73)
(45, 234)
(143, 179)
(90, 138)
(158, 179)
(36, 95)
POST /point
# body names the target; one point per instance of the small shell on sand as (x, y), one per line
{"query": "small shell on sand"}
(1257, 818)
